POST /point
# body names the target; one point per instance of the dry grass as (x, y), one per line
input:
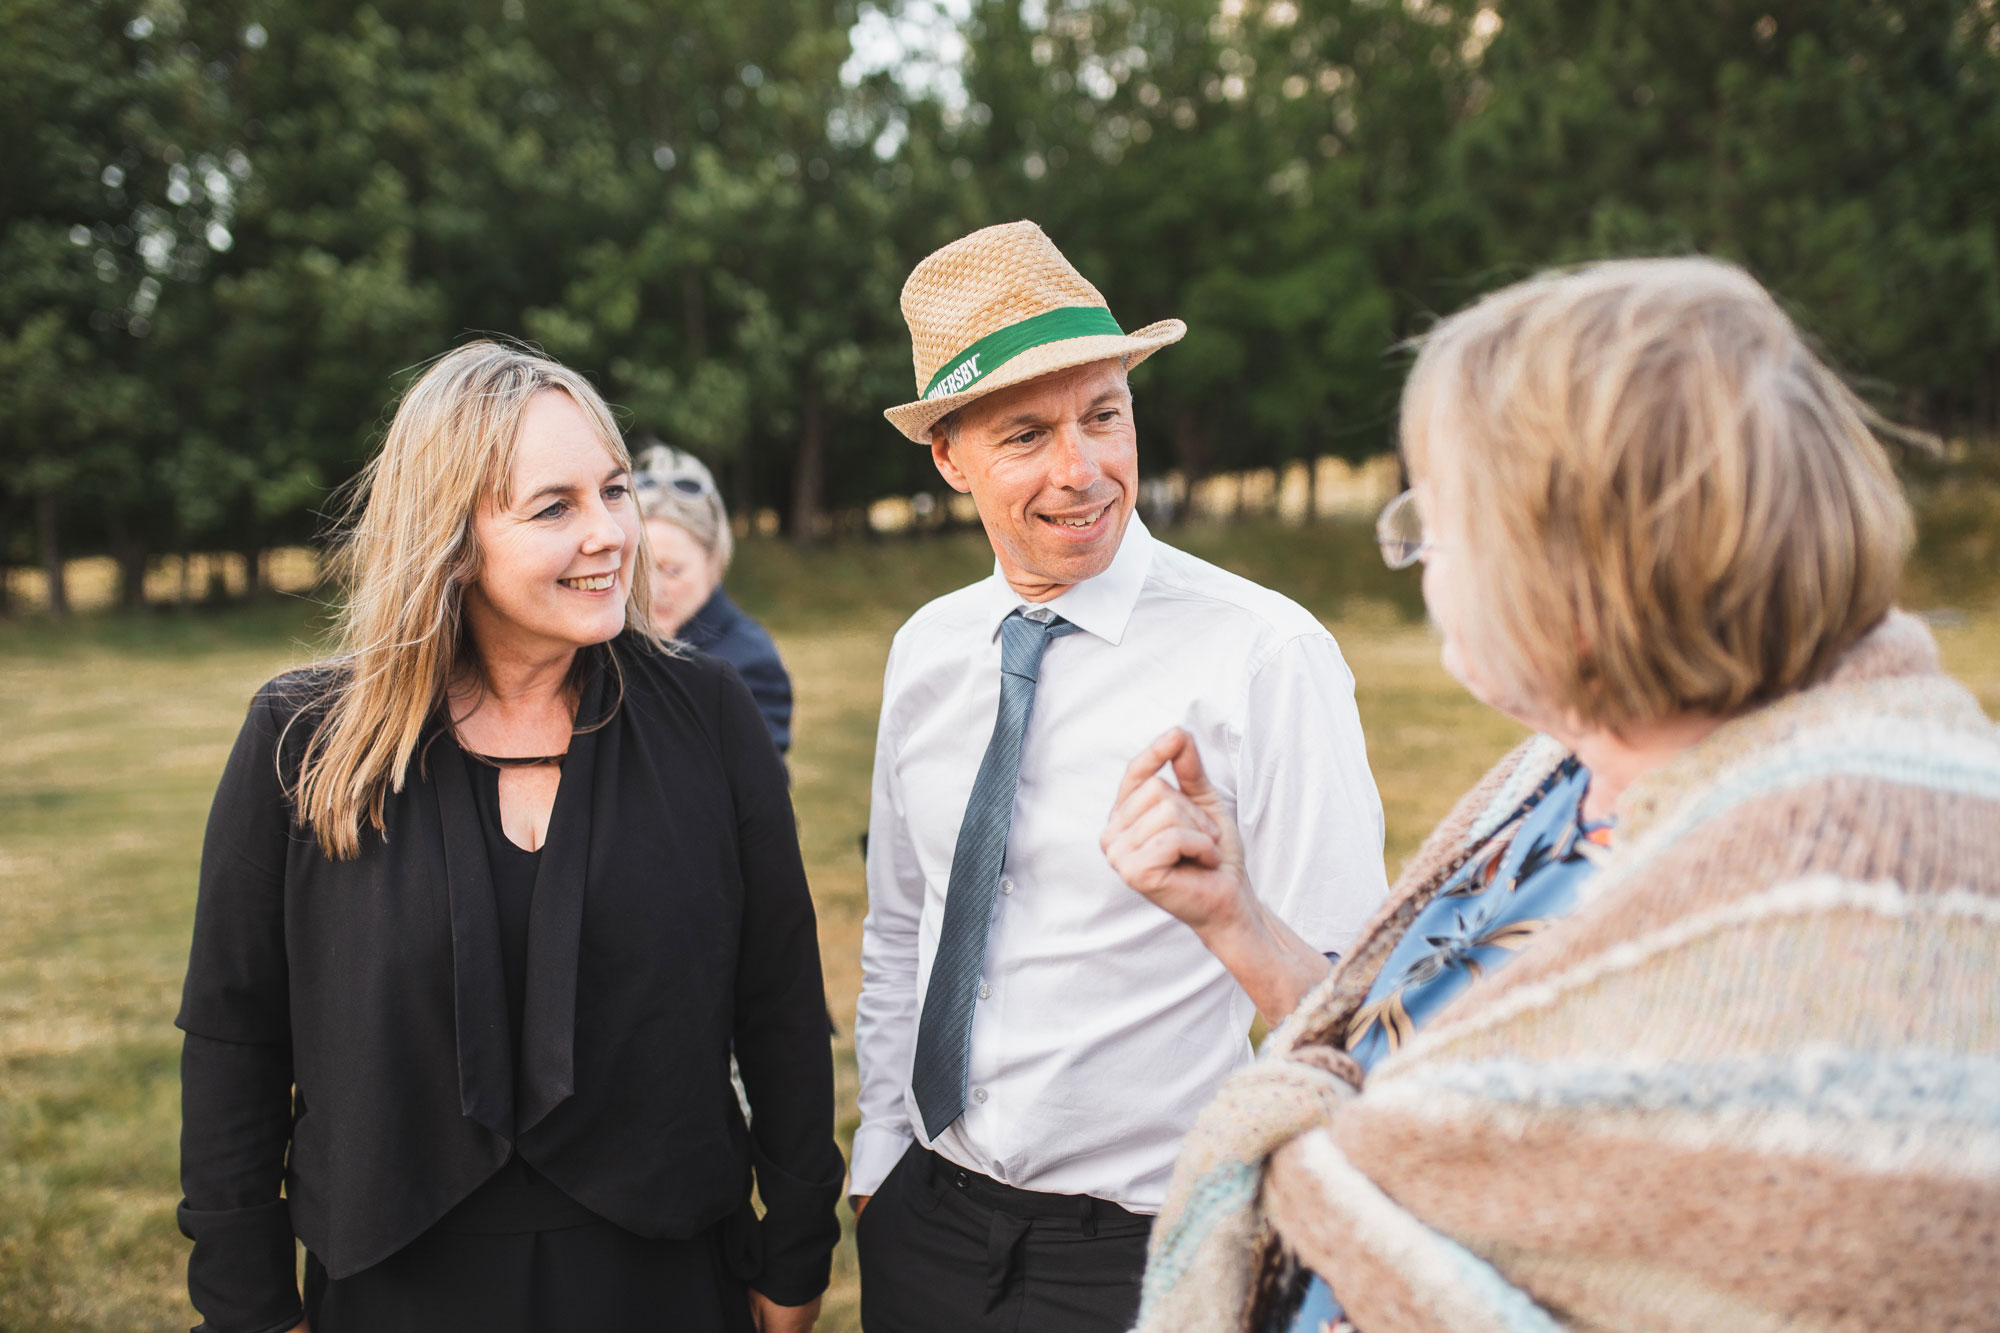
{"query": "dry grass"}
(115, 732)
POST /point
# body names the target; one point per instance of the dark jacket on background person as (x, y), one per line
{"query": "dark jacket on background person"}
(348, 1030)
(723, 629)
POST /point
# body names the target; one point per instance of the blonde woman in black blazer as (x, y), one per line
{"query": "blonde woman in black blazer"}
(485, 902)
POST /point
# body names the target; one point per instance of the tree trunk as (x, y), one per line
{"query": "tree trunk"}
(743, 482)
(694, 315)
(48, 530)
(1190, 449)
(129, 550)
(1191, 453)
(808, 470)
(1991, 389)
(253, 572)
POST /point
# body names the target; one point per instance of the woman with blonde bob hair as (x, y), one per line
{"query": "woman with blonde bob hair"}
(687, 530)
(486, 900)
(1683, 1018)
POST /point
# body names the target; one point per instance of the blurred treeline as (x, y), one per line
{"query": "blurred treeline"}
(229, 230)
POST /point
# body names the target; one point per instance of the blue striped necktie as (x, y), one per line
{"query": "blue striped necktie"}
(944, 1031)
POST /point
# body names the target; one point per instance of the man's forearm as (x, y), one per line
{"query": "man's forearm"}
(1269, 960)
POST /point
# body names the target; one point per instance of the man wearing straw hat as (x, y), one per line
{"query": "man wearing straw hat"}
(1035, 1038)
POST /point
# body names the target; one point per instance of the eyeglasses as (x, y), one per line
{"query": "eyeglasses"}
(1399, 531)
(692, 487)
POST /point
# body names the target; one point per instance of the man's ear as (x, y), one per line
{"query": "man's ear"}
(946, 466)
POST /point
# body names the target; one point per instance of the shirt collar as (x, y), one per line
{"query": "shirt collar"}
(1101, 605)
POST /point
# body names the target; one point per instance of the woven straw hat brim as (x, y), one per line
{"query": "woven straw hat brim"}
(916, 419)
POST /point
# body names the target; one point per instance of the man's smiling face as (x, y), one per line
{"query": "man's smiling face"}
(1053, 465)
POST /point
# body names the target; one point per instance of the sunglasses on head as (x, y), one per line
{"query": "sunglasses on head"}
(692, 487)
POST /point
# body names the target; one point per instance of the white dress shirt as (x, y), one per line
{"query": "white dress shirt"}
(1102, 1024)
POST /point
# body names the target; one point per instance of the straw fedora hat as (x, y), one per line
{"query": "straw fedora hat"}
(999, 307)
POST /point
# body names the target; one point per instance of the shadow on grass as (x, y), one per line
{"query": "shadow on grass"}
(173, 631)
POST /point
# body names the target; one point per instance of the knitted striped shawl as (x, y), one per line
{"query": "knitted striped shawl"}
(1751, 1083)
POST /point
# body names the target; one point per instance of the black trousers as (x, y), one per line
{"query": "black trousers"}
(945, 1250)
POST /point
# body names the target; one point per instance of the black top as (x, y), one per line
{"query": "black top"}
(351, 1034)
(723, 629)
(517, 1198)
(514, 869)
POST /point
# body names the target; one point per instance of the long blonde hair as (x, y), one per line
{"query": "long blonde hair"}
(1666, 501)
(406, 554)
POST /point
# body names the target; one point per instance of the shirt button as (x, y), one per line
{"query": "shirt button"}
(1006, 886)
(985, 991)
(979, 1095)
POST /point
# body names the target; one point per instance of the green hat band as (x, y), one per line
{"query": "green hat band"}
(999, 347)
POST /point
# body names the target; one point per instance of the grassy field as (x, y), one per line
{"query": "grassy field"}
(115, 729)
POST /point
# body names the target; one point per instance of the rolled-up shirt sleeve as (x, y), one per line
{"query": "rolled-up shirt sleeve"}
(1308, 808)
(885, 1021)
(236, 1069)
(235, 1124)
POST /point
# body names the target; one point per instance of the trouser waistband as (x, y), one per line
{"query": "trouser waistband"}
(1088, 1210)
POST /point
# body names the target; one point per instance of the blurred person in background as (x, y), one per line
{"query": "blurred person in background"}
(448, 1023)
(688, 531)
(1033, 1038)
(1683, 1019)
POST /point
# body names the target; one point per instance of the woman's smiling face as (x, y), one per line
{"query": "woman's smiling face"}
(556, 554)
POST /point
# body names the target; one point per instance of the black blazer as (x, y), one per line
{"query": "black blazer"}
(354, 1042)
(725, 630)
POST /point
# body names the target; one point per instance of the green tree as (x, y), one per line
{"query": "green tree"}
(1271, 172)
(97, 232)
(1847, 152)
(740, 298)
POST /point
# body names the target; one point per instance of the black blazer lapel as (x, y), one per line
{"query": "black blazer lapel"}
(485, 1044)
(555, 921)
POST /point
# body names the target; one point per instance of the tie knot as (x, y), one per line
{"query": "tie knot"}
(1023, 640)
